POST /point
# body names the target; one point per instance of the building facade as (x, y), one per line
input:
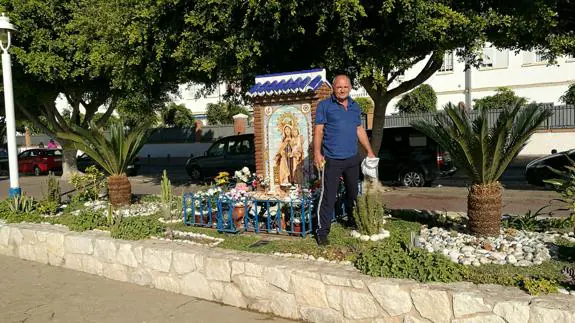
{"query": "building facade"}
(528, 74)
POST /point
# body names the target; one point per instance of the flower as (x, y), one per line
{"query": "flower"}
(246, 171)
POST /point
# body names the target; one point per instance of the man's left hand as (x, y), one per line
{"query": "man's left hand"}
(370, 155)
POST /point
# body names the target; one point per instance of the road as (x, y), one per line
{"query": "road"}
(32, 292)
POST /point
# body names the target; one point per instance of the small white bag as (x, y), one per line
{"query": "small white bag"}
(369, 167)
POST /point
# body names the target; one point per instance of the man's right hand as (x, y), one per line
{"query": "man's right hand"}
(319, 161)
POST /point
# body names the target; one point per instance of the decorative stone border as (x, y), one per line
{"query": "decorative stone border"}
(287, 287)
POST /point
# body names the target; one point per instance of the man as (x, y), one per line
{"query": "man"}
(337, 131)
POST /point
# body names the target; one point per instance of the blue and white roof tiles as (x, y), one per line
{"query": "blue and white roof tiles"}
(288, 83)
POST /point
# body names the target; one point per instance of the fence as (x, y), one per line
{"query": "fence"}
(563, 117)
(225, 214)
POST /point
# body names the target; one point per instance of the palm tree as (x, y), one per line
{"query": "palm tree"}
(113, 154)
(484, 153)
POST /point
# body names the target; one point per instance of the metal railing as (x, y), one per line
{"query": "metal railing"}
(563, 117)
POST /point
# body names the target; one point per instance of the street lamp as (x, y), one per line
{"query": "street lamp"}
(6, 28)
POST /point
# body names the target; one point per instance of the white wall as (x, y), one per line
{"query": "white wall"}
(541, 143)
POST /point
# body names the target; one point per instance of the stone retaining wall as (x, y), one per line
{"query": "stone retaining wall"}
(292, 288)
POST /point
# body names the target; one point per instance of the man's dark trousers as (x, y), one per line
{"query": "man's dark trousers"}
(333, 170)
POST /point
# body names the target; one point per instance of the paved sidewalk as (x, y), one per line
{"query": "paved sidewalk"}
(32, 292)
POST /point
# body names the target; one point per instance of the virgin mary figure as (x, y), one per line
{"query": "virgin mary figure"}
(285, 157)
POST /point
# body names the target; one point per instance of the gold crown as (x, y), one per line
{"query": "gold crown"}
(286, 119)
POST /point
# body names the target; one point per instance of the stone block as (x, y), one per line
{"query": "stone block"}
(167, 283)
(141, 277)
(513, 311)
(279, 277)
(465, 303)
(253, 287)
(218, 269)
(15, 236)
(29, 236)
(92, 265)
(195, 284)
(238, 268)
(26, 251)
(158, 259)
(359, 305)
(414, 319)
(357, 283)
(73, 261)
(7, 250)
(393, 299)
(55, 260)
(4, 236)
(481, 318)
(260, 305)
(540, 313)
(334, 295)
(335, 280)
(138, 252)
(40, 253)
(106, 250)
(434, 305)
(321, 315)
(233, 296)
(200, 262)
(41, 236)
(217, 289)
(254, 269)
(309, 291)
(283, 304)
(55, 244)
(116, 272)
(126, 256)
(78, 244)
(183, 262)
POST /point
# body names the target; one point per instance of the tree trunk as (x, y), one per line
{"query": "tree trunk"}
(484, 209)
(69, 166)
(380, 106)
(119, 190)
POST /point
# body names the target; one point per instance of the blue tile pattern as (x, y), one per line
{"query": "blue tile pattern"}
(288, 83)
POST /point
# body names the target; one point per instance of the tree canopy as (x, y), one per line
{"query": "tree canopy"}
(374, 42)
(569, 96)
(422, 99)
(224, 112)
(177, 115)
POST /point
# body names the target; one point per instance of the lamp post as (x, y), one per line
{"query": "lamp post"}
(7, 28)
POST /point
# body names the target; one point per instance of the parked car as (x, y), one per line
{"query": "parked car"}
(539, 170)
(227, 154)
(410, 158)
(40, 161)
(84, 161)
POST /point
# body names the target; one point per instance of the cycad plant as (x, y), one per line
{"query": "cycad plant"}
(113, 154)
(484, 153)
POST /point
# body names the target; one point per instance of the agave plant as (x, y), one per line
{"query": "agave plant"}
(484, 153)
(113, 154)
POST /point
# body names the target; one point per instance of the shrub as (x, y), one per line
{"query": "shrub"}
(137, 228)
(366, 104)
(369, 213)
(392, 260)
(53, 194)
(536, 286)
(47, 207)
(85, 220)
(422, 99)
(569, 96)
(503, 98)
(88, 185)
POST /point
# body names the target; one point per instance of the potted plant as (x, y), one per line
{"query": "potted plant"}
(113, 154)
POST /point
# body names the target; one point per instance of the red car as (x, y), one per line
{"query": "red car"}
(40, 161)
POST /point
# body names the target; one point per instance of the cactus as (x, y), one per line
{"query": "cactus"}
(166, 196)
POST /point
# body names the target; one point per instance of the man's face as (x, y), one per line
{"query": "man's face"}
(341, 88)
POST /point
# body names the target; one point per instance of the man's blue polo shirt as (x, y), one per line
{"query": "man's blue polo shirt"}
(340, 127)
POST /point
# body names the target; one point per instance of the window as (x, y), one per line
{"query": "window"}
(239, 147)
(447, 62)
(417, 141)
(570, 58)
(494, 58)
(539, 57)
(217, 149)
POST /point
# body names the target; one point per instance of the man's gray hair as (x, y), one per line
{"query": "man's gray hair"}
(341, 75)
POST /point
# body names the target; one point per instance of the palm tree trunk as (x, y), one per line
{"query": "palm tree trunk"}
(119, 190)
(484, 209)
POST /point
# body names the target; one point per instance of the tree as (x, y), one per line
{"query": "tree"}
(422, 99)
(177, 115)
(113, 154)
(366, 105)
(223, 112)
(503, 97)
(96, 53)
(484, 153)
(569, 96)
(374, 42)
